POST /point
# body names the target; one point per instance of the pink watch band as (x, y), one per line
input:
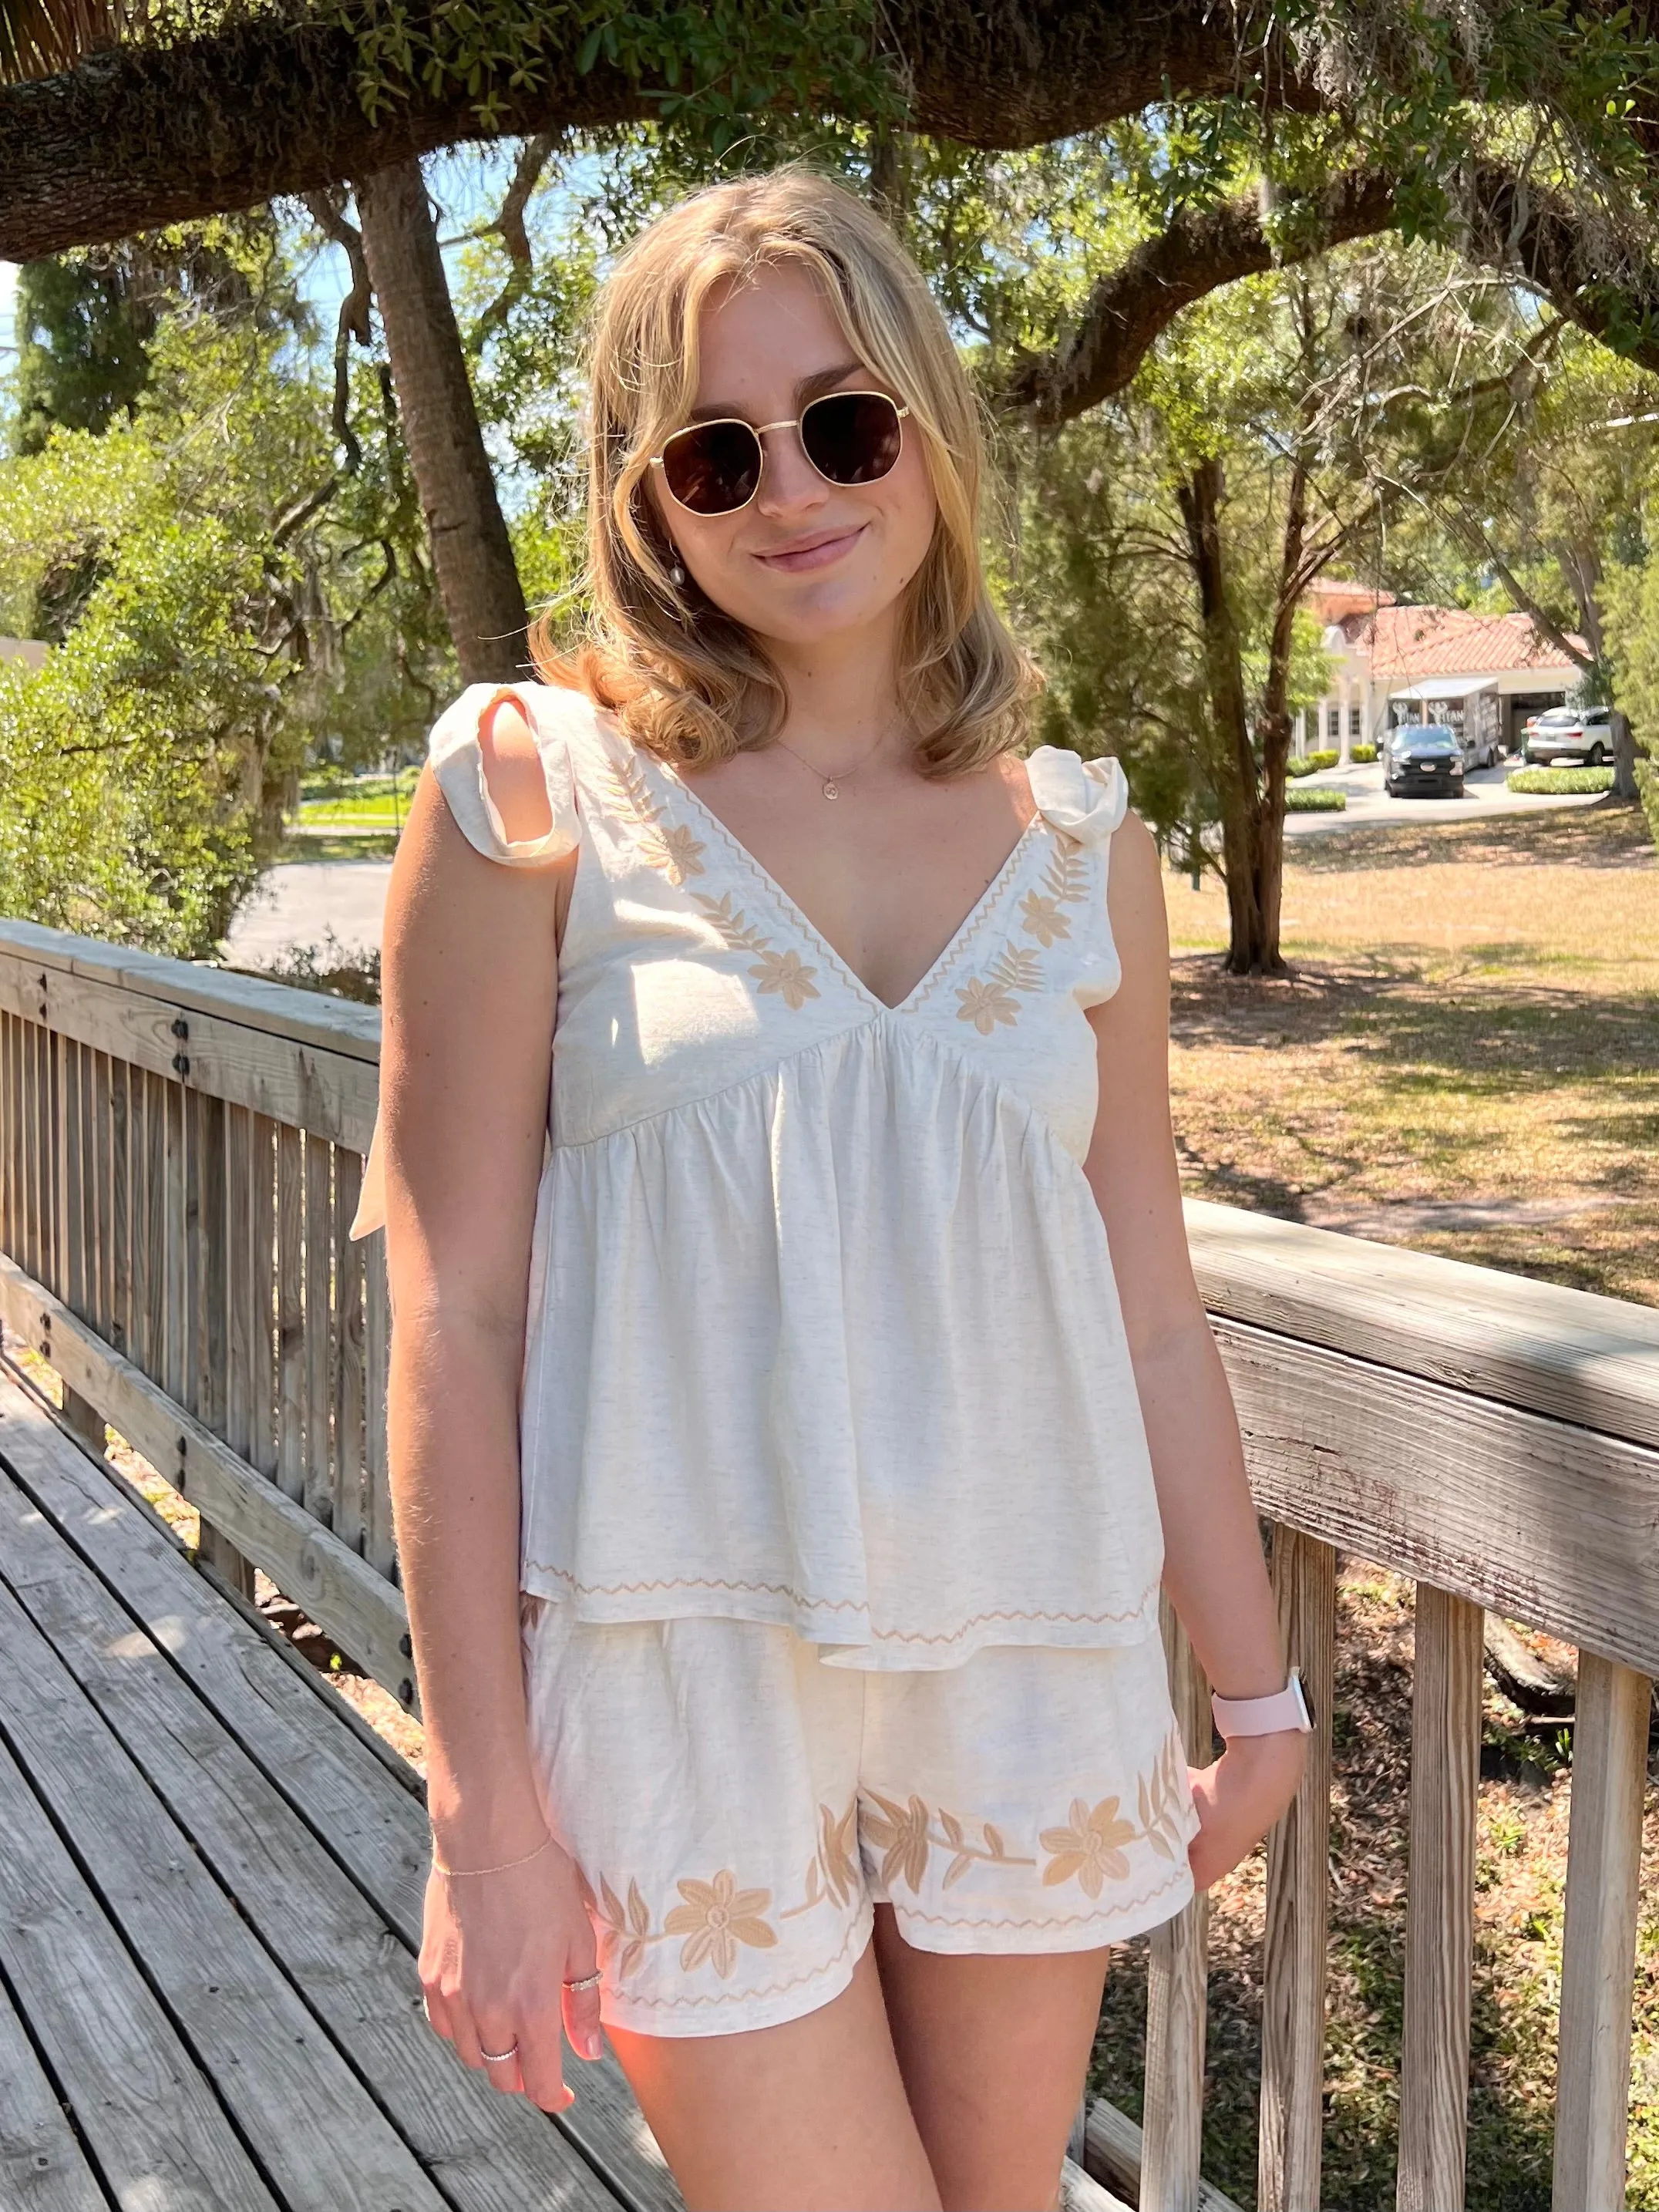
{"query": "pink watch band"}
(1285, 1709)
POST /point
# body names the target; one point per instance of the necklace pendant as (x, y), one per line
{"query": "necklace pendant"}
(831, 790)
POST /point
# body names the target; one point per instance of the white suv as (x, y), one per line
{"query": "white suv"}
(1582, 735)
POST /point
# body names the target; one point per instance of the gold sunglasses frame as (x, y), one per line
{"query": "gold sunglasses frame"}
(760, 429)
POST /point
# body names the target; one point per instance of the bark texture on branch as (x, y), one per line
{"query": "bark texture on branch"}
(135, 136)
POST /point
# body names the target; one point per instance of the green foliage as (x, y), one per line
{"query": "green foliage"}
(235, 600)
(706, 72)
(1320, 800)
(1560, 779)
(1362, 752)
(1307, 764)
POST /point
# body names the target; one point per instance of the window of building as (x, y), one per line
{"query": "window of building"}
(1356, 727)
(1334, 722)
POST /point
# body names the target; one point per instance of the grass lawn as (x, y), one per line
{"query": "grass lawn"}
(1465, 1059)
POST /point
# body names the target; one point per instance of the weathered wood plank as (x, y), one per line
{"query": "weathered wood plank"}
(1298, 1896)
(318, 1492)
(96, 1176)
(1598, 1963)
(1115, 2147)
(290, 1311)
(42, 2167)
(360, 1801)
(363, 1988)
(153, 1194)
(120, 1278)
(1568, 1354)
(1540, 1521)
(264, 1452)
(316, 2132)
(240, 1290)
(151, 2122)
(330, 1091)
(1445, 1775)
(334, 1024)
(174, 1365)
(1176, 1983)
(350, 1456)
(364, 1613)
(71, 1212)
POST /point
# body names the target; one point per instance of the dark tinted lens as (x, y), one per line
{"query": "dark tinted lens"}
(712, 467)
(851, 437)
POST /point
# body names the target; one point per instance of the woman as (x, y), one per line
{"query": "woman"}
(789, 1437)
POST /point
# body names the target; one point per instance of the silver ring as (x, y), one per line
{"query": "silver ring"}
(494, 2058)
(586, 1982)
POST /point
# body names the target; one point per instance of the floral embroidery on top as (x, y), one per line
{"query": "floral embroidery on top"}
(985, 1004)
(783, 972)
(671, 848)
(988, 999)
(1065, 883)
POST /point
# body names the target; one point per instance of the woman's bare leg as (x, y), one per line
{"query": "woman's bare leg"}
(994, 2052)
(807, 2117)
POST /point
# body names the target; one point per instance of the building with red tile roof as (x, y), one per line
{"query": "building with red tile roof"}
(1394, 662)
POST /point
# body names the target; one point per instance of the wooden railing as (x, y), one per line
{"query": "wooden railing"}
(181, 1151)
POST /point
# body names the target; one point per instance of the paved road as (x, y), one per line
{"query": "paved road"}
(1485, 791)
(299, 904)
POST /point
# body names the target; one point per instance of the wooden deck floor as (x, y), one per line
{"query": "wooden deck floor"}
(210, 1889)
(210, 1892)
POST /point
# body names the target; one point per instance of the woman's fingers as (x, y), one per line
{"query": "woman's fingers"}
(581, 2011)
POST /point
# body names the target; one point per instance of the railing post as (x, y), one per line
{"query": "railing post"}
(1298, 1895)
(1598, 1964)
(1434, 2088)
(1176, 1992)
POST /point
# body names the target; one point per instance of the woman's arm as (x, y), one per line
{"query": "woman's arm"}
(1213, 1567)
(469, 977)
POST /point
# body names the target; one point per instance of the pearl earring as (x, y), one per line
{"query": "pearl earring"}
(677, 573)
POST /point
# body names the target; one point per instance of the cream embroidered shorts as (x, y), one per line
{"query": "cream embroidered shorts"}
(735, 1807)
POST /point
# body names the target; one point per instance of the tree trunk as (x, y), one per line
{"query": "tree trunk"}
(477, 577)
(1252, 835)
(1624, 758)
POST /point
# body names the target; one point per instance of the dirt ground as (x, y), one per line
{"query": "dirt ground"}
(1464, 1058)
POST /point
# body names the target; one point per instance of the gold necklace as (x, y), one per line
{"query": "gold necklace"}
(831, 784)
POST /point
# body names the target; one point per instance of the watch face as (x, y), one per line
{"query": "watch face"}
(1302, 1701)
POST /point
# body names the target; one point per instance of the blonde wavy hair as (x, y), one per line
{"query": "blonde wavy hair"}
(684, 680)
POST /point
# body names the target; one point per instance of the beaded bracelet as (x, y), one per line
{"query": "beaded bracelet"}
(437, 1868)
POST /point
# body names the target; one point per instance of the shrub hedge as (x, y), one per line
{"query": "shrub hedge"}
(1322, 801)
(1561, 779)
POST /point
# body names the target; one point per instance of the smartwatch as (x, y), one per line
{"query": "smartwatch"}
(1285, 1711)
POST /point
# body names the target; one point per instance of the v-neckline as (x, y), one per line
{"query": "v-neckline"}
(802, 921)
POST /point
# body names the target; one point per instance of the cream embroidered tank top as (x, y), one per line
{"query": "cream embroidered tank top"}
(823, 1326)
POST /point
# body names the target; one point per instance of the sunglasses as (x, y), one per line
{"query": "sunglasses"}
(849, 437)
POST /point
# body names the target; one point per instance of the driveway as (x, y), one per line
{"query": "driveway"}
(300, 903)
(1485, 791)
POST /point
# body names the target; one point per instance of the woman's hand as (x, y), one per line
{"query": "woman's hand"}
(1240, 1798)
(495, 1950)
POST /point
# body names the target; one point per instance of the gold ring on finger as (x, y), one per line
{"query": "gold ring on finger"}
(586, 1981)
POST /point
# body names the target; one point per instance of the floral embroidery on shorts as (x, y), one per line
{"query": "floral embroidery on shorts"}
(673, 849)
(1091, 1846)
(905, 1834)
(781, 972)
